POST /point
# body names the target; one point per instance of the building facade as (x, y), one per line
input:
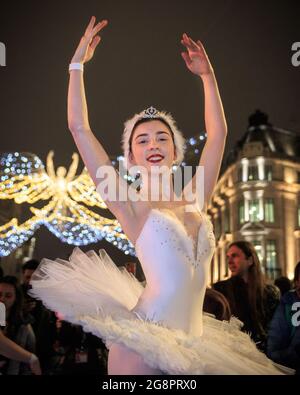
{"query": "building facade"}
(257, 198)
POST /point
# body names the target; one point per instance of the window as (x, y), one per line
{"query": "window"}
(272, 270)
(254, 210)
(217, 227)
(241, 212)
(268, 173)
(269, 210)
(240, 174)
(252, 173)
(226, 221)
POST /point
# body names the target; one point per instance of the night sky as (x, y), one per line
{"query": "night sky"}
(138, 64)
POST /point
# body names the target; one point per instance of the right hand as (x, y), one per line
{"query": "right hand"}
(89, 41)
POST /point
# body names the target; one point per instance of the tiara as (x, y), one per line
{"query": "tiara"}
(150, 112)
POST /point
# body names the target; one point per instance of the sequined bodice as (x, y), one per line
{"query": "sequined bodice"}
(176, 269)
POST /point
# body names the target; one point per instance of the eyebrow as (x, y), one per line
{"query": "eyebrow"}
(233, 254)
(146, 134)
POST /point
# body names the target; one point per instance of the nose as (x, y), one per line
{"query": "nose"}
(153, 144)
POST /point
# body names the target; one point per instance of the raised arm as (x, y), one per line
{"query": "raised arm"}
(92, 152)
(198, 63)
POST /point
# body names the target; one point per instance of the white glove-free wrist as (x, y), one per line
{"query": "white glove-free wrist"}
(76, 66)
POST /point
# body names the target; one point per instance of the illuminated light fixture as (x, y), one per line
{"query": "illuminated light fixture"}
(65, 215)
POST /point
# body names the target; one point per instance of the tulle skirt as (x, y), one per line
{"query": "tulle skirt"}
(90, 290)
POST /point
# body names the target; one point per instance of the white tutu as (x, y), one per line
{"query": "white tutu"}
(92, 291)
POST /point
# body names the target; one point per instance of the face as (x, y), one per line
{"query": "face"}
(7, 295)
(152, 145)
(27, 276)
(237, 261)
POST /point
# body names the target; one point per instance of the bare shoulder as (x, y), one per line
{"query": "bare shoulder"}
(132, 217)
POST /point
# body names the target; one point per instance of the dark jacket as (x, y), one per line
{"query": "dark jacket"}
(236, 292)
(283, 345)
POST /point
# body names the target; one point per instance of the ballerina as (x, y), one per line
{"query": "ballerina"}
(158, 329)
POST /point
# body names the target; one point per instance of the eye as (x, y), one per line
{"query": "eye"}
(162, 139)
(142, 141)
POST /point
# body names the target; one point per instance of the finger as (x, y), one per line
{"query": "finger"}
(95, 42)
(186, 58)
(88, 38)
(99, 27)
(187, 41)
(202, 49)
(192, 43)
(186, 44)
(90, 26)
(201, 46)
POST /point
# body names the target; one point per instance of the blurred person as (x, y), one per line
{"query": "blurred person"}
(77, 352)
(40, 318)
(283, 345)
(284, 284)
(17, 328)
(28, 269)
(251, 299)
(32, 308)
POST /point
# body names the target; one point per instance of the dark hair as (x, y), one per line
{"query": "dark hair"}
(32, 264)
(297, 272)
(15, 316)
(284, 284)
(1, 272)
(216, 303)
(144, 120)
(256, 281)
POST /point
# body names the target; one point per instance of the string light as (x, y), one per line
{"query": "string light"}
(64, 215)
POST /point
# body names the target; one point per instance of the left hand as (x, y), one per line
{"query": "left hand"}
(196, 58)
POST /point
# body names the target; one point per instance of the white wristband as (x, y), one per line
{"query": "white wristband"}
(33, 358)
(76, 66)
